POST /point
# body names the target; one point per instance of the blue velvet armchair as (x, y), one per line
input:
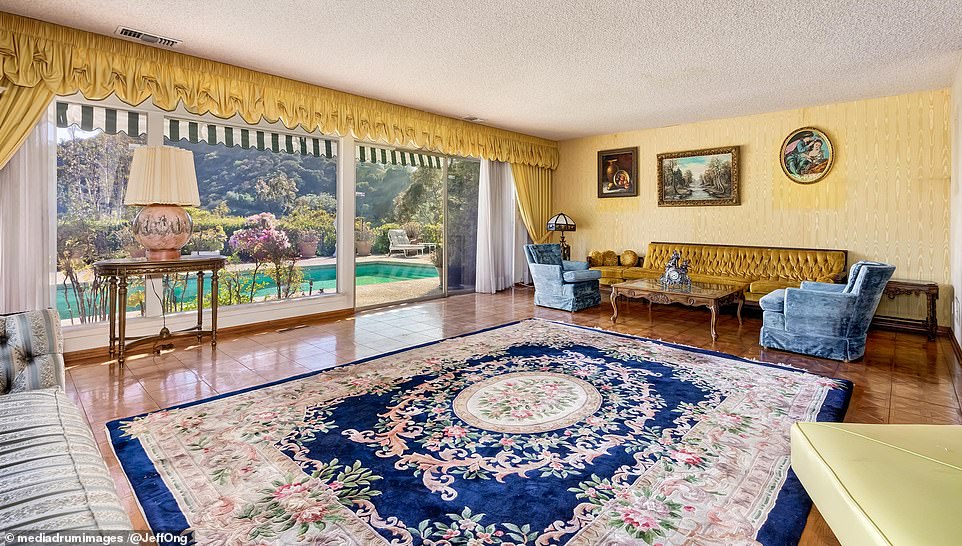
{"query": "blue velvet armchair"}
(823, 319)
(561, 284)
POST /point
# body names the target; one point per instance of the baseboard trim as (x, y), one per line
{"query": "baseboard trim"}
(955, 347)
(101, 354)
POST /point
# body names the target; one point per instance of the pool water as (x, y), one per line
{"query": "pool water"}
(317, 278)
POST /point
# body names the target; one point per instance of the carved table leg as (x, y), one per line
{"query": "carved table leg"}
(614, 305)
(714, 315)
(112, 309)
(122, 319)
(200, 305)
(741, 302)
(932, 322)
(214, 294)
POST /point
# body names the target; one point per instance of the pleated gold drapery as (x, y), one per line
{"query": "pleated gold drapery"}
(533, 187)
(20, 110)
(65, 61)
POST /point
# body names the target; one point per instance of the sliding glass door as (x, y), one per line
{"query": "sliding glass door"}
(416, 229)
(461, 225)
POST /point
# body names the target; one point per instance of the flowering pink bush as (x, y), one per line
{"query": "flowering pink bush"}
(262, 240)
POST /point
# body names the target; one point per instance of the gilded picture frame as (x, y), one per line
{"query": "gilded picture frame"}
(807, 155)
(618, 172)
(699, 178)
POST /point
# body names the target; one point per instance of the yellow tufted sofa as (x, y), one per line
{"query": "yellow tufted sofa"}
(763, 269)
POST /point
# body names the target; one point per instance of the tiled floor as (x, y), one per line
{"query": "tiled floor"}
(903, 378)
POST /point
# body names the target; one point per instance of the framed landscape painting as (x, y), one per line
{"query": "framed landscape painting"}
(698, 178)
(618, 172)
(807, 155)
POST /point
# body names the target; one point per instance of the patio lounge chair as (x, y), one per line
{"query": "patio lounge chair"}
(400, 242)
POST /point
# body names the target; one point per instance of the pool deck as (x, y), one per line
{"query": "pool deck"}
(393, 292)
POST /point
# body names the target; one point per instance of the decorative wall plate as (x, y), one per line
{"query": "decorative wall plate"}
(807, 155)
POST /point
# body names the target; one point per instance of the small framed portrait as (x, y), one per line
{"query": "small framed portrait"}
(807, 155)
(618, 172)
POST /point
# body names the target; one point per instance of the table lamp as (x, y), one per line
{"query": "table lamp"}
(562, 222)
(163, 181)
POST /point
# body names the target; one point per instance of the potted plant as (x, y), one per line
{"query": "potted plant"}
(363, 238)
(413, 231)
(209, 242)
(307, 241)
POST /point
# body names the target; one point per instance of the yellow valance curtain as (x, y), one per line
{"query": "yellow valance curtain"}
(20, 110)
(533, 188)
(65, 61)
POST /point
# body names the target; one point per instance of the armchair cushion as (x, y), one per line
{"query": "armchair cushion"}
(544, 254)
(31, 351)
(773, 301)
(581, 275)
(854, 271)
(822, 286)
(569, 265)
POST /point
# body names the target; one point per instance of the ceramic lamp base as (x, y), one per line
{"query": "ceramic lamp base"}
(163, 230)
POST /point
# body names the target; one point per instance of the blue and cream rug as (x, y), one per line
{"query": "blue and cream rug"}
(531, 433)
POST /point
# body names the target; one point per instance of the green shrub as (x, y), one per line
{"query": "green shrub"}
(206, 221)
(381, 243)
(304, 220)
(432, 233)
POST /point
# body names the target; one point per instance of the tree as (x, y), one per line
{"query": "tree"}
(421, 200)
(92, 173)
(323, 201)
(277, 192)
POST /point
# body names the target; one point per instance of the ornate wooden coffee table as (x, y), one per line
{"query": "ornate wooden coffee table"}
(712, 296)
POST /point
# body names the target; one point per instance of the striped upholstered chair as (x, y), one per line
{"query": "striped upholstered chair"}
(53, 476)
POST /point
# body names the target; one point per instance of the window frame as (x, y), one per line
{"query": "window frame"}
(92, 336)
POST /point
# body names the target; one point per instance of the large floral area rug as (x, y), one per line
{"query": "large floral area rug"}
(531, 433)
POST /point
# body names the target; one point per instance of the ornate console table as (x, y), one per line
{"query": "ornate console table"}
(712, 296)
(116, 273)
(930, 324)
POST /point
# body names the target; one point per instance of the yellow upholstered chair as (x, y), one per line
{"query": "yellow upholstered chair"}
(891, 485)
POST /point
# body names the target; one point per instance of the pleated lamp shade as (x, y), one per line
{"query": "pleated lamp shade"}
(161, 175)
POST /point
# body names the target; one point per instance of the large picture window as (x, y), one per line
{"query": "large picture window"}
(94, 150)
(417, 218)
(268, 203)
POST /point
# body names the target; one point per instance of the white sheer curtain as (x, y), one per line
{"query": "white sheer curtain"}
(496, 228)
(27, 235)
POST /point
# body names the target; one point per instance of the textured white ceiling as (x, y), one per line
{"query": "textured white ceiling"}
(562, 68)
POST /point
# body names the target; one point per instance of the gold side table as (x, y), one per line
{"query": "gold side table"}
(116, 273)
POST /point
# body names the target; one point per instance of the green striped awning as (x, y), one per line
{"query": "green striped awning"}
(108, 120)
(194, 131)
(390, 156)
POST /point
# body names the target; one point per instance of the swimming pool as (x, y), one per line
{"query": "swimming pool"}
(317, 279)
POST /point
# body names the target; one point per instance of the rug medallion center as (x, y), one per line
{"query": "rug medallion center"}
(527, 402)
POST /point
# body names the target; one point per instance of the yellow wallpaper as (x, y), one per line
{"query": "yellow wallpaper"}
(886, 198)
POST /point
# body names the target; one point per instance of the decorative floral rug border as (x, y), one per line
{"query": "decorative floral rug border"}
(783, 522)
